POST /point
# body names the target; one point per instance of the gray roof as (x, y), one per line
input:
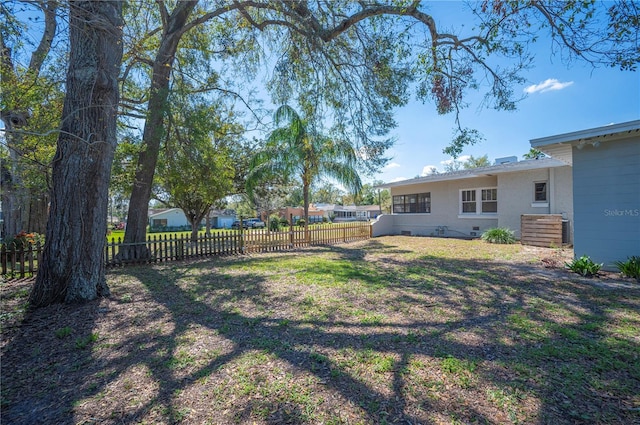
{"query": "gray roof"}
(560, 146)
(509, 167)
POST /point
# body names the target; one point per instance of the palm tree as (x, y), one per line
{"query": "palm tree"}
(293, 150)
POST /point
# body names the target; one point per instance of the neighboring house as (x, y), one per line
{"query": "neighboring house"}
(315, 215)
(167, 217)
(341, 213)
(222, 219)
(606, 188)
(174, 217)
(466, 203)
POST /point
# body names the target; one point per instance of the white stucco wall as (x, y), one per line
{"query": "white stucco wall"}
(516, 195)
(444, 218)
(562, 199)
(174, 217)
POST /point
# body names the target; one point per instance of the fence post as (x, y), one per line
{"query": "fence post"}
(241, 236)
(3, 259)
(291, 231)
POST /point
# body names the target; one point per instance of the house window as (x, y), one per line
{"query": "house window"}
(540, 192)
(159, 222)
(479, 201)
(414, 203)
(489, 200)
(424, 202)
(398, 204)
(469, 201)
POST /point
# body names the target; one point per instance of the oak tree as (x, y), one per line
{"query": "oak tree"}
(72, 266)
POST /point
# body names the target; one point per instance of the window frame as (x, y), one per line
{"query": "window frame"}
(477, 201)
(471, 200)
(491, 199)
(411, 203)
(536, 192)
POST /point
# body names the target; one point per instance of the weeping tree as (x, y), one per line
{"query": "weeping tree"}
(270, 194)
(196, 168)
(297, 149)
(72, 266)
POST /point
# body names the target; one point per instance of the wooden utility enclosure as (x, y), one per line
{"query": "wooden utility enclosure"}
(541, 230)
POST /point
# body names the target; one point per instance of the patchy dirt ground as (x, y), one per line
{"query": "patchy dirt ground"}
(392, 330)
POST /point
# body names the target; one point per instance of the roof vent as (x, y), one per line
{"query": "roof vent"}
(506, 160)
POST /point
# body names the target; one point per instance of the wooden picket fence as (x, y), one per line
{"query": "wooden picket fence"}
(23, 263)
(17, 261)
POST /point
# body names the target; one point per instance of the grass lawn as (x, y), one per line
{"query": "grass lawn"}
(390, 330)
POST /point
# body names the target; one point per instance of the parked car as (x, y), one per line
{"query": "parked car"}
(236, 224)
(249, 223)
(255, 223)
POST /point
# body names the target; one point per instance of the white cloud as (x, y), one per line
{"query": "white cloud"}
(392, 165)
(547, 85)
(460, 160)
(428, 170)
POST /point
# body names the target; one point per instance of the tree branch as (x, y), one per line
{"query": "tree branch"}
(39, 55)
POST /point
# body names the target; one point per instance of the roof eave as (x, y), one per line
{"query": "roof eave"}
(480, 172)
(561, 146)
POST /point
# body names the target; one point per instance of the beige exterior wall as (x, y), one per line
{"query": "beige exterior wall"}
(515, 197)
(563, 193)
(444, 219)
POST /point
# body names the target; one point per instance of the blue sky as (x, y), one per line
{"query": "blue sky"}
(559, 99)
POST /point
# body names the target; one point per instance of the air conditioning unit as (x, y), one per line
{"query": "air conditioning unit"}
(566, 232)
(506, 160)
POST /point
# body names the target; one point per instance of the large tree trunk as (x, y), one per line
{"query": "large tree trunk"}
(38, 211)
(72, 267)
(195, 216)
(137, 218)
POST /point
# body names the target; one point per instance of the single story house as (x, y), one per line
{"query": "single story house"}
(222, 219)
(465, 203)
(606, 188)
(341, 213)
(315, 215)
(175, 218)
(167, 217)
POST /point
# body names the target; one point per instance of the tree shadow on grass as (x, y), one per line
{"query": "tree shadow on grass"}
(411, 344)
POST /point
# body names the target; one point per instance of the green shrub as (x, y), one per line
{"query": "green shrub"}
(23, 240)
(584, 266)
(284, 222)
(630, 268)
(500, 235)
(274, 223)
(301, 222)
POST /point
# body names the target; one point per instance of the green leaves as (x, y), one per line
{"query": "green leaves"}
(296, 149)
